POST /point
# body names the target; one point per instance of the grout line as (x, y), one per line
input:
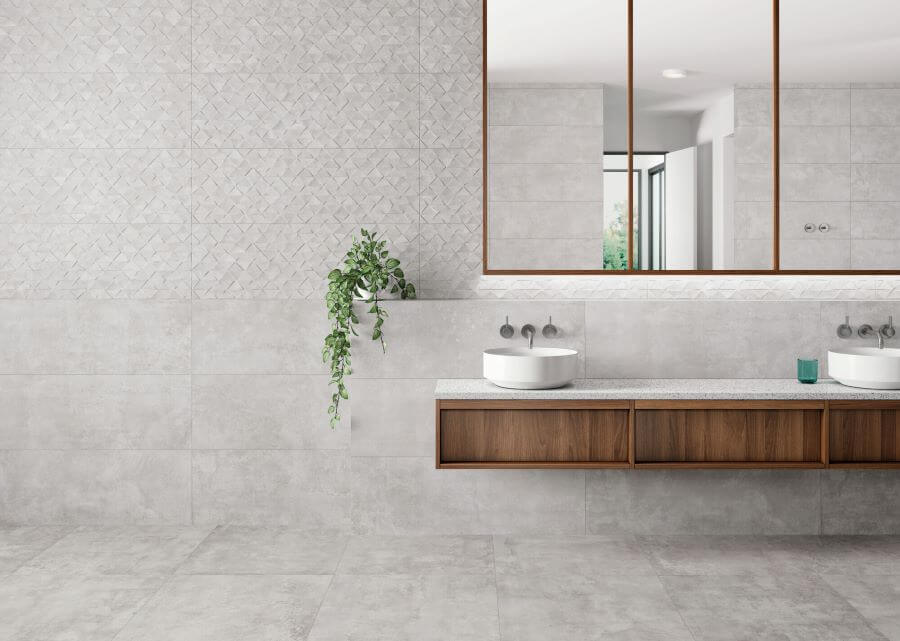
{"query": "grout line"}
(166, 581)
(70, 530)
(821, 503)
(496, 586)
(419, 151)
(585, 532)
(315, 618)
(672, 602)
(196, 547)
(191, 265)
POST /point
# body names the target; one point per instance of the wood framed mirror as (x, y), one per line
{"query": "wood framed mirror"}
(746, 141)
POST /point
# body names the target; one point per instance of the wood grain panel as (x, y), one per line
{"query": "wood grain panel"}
(533, 435)
(728, 435)
(864, 435)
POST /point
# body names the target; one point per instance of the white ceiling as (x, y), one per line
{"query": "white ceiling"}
(719, 42)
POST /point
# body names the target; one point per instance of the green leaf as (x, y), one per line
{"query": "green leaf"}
(366, 264)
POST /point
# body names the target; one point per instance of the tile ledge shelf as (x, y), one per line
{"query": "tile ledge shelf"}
(665, 389)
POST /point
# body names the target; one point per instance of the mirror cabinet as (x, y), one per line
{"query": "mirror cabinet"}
(648, 136)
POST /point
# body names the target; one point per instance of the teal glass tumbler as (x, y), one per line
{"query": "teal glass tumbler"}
(807, 370)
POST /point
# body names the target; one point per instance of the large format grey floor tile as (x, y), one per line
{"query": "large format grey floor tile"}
(418, 555)
(249, 550)
(20, 544)
(70, 608)
(875, 597)
(730, 555)
(408, 608)
(787, 608)
(587, 608)
(124, 550)
(229, 608)
(570, 556)
(857, 554)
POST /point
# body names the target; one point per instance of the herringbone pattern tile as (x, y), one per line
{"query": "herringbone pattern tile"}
(337, 36)
(324, 186)
(95, 35)
(309, 110)
(94, 261)
(281, 261)
(95, 185)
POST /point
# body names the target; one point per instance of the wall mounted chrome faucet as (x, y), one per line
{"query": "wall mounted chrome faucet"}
(867, 331)
(887, 330)
(528, 332)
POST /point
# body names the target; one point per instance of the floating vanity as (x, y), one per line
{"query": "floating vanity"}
(667, 423)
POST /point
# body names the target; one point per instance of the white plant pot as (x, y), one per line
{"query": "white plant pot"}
(365, 294)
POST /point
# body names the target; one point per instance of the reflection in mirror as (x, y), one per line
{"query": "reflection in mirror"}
(840, 135)
(556, 112)
(703, 135)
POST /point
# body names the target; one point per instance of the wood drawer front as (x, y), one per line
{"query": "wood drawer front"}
(533, 435)
(728, 435)
(864, 435)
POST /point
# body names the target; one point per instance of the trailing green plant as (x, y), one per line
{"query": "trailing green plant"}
(368, 269)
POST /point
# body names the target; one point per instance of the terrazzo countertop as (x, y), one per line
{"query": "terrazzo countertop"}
(781, 389)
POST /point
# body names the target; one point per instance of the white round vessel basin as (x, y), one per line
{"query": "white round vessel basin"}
(530, 368)
(865, 367)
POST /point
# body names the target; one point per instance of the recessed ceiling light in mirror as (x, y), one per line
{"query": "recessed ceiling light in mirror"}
(674, 74)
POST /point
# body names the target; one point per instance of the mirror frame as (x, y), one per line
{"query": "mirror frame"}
(630, 270)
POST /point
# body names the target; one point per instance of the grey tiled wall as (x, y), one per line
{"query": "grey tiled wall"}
(214, 412)
(839, 168)
(172, 198)
(545, 167)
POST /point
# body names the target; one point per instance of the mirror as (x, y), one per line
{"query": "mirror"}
(703, 135)
(840, 135)
(556, 180)
(712, 188)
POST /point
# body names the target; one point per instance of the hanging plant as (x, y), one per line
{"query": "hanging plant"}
(367, 271)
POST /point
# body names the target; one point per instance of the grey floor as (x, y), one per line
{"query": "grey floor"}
(230, 583)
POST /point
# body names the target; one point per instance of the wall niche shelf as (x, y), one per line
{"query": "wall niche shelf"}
(667, 433)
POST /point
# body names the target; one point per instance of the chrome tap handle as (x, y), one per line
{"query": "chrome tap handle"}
(887, 330)
(550, 330)
(844, 330)
(528, 332)
(507, 330)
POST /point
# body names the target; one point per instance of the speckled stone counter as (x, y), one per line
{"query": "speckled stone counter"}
(665, 389)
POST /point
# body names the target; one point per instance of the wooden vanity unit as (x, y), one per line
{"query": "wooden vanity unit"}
(835, 426)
